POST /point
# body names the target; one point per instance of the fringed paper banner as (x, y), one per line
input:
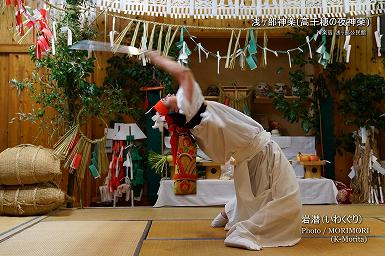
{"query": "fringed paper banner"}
(232, 9)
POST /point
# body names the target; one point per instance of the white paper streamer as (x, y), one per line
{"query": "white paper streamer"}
(143, 45)
(159, 122)
(288, 54)
(199, 52)
(54, 30)
(308, 44)
(378, 36)
(69, 34)
(53, 47)
(218, 61)
(264, 56)
(112, 34)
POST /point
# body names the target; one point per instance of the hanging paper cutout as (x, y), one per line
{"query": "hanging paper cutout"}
(184, 51)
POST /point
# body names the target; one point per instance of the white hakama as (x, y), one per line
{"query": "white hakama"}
(267, 208)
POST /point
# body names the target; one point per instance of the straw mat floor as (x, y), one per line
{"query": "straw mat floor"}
(186, 231)
(307, 247)
(76, 238)
(7, 223)
(137, 213)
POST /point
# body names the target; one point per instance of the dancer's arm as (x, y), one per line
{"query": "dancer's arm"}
(182, 74)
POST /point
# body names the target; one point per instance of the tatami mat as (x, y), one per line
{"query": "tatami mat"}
(181, 231)
(202, 230)
(136, 213)
(199, 213)
(7, 223)
(306, 247)
(199, 229)
(80, 238)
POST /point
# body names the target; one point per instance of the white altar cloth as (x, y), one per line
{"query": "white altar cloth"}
(218, 192)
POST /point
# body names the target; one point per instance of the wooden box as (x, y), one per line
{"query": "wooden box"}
(213, 170)
(313, 169)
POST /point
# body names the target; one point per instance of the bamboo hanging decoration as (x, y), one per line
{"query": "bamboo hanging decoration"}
(170, 43)
(229, 50)
(133, 40)
(234, 56)
(120, 37)
(150, 43)
(243, 65)
(264, 53)
(167, 40)
(159, 49)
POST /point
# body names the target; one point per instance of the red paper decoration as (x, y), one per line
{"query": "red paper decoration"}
(38, 21)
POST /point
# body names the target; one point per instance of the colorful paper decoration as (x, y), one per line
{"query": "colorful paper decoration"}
(184, 51)
(324, 55)
(36, 20)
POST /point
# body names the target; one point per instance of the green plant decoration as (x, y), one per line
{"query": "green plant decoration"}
(159, 163)
(304, 108)
(363, 101)
(62, 82)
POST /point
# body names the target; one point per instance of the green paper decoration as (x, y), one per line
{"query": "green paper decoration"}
(252, 50)
(324, 55)
(94, 162)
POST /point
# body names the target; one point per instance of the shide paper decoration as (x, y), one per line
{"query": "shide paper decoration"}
(34, 20)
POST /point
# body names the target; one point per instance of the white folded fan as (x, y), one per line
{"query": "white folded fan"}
(89, 45)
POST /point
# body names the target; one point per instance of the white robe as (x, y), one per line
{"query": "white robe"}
(267, 208)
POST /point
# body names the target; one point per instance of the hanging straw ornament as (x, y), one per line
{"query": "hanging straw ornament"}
(75, 148)
(134, 36)
(120, 37)
(229, 49)
(236, 48)
(151, 41)
(159, 49)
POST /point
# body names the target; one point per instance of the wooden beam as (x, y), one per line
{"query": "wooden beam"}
(14, 48)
